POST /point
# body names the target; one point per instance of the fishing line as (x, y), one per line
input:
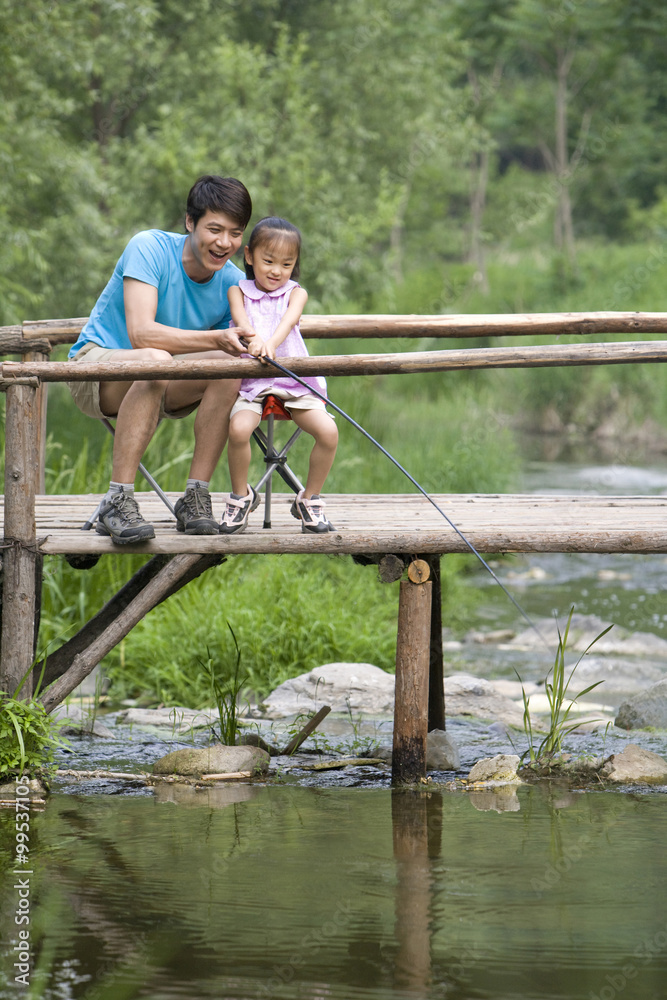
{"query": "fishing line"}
(362, 430)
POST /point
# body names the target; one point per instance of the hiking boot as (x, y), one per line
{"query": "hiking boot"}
(237, 512)
(311, 514)
(194, 514)
(121, 518)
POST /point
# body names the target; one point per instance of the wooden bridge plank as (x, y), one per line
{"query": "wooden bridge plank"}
(381, 523)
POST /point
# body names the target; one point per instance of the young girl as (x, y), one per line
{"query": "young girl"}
(269, 304)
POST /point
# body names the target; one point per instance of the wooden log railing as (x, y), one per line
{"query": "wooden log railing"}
(50, 332)
(537, 356)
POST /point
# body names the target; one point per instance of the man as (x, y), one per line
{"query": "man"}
(168, 297)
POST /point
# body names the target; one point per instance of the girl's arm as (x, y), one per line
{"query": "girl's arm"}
(297, 303)
(240, 320)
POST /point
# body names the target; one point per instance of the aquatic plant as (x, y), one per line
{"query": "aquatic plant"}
(226, 694)
(556, 686)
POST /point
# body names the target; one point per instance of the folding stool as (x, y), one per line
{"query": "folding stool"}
(276, 461)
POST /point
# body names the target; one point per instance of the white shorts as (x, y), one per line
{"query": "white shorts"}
(256, 405)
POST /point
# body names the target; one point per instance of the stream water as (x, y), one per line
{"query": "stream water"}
(342, 888)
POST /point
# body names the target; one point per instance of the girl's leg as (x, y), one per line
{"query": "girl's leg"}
(241, 427)
(323, 428)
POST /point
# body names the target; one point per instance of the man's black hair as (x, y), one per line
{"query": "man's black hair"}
(219, 194)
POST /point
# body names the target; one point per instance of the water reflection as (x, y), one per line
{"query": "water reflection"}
(211, 798)
(416, 818)
(501, 799)
(288, 892)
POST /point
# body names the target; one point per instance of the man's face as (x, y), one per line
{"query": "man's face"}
(210, 244)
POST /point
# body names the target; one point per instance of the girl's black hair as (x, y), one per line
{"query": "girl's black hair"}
(273, 230)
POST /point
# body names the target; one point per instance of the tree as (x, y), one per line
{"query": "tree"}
(570, 47)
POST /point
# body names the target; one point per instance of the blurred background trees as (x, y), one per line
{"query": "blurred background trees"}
(414, 142)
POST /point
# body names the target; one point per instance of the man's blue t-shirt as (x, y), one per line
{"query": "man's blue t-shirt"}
(156, 258)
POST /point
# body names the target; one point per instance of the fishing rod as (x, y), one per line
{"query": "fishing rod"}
(362, 430)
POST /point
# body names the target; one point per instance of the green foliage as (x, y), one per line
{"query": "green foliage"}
(288, 615)
(375, 127)
(557, 693)
(28, 736)
(226, 693)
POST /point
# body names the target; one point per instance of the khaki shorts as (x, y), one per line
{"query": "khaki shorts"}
(256, 405)
(86, 395)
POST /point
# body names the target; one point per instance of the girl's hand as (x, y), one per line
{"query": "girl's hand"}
(254, 344)
(268, 350)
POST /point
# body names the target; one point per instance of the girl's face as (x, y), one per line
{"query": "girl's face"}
(272, 262)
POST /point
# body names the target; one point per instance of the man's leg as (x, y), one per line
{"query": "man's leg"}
(216, 397)
(136, 406)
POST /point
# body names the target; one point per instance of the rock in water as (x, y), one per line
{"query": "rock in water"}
(354, 687)
(648, 708)
(502, 767)
(255, 740)
(468, 695)
(217, 759)
(36, 789)
(635, 764)
(441, 752)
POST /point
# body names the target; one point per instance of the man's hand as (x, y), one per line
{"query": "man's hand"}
(234, 340)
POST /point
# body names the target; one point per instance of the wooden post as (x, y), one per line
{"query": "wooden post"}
(436, 689)
(42, 403)
(19, 556)
(412, 674)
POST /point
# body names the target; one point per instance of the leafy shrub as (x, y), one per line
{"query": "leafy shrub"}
(28, 736)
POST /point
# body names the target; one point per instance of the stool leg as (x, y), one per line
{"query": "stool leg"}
(270, 451)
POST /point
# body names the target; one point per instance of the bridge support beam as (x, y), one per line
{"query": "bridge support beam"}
(156, 590)
(436, 689)
(20, 559)
(412, 676)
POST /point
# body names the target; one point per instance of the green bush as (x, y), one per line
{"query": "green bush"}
(28, 736)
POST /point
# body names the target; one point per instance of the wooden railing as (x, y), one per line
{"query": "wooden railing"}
(43, 334)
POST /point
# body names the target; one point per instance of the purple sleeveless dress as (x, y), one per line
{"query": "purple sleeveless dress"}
(265, 310)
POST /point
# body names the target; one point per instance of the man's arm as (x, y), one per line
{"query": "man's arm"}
(140, 311)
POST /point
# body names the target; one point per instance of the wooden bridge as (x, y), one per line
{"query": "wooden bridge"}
(392, 531)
